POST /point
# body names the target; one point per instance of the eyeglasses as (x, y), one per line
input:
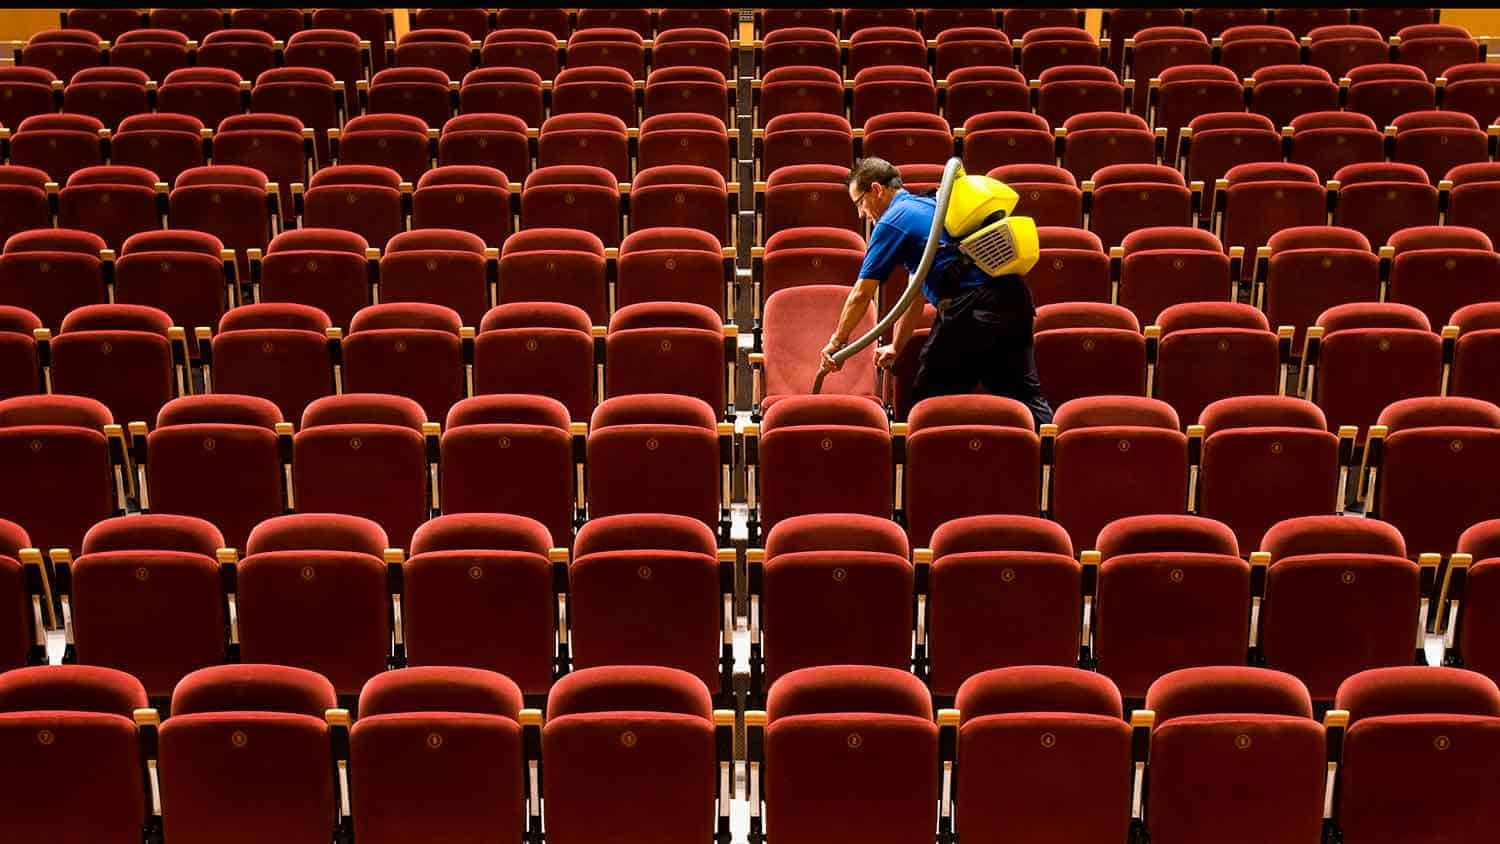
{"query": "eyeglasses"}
(859, 200)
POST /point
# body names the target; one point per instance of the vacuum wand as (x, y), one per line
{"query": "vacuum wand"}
(934, 239)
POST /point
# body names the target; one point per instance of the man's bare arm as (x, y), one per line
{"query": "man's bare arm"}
(855, 306)
(906, 324)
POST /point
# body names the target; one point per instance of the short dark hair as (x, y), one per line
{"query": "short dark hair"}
(868, 171)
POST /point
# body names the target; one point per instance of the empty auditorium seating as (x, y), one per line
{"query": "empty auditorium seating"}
(1254, 727)
(305, 577)
(1339, 48)
(368, 201)
(977, 90)
(687, 138)
(990, 576)
(263, 728)
(1072, 267)
(1089, 349)
(885, 46)
(807, 195)
(1114, 456)
(1268, 458)
(1474, 352)
(461, 565)
(447, 50)
(1172, 593)
(65, 459)
(908, 138)
(69, 261)
(58, 720)
(438, 748)
(409, 349)
(106, 93)
(1052, 45)
(1425, 467)
(25, 91)
(1368, 355)
(539, 347)
(1256, 202)
(194, 23)
(1385, 91)
(515, 91)
(275, 145)
(643, 737)
(474, 23)
(1127, 197)
(188, 274)
(1340, 597)
(958, 449)
(1439, 269)
(576, 196)
(1163, 266)
(1153, 49)
(687, 90)
(1071, 89)
(1377, 200)
(498, 141)
(337, 51)
(366, 455)
(1213, 144)
(1006, 138)
(1470, 89)
(1473, 189)
(112, 201)
(1016, 781)
(1435, 47)
(670, 347)
(596, 90)
(683, 196)
(1413, 718)
(207, 93)
(164, 144)
(419, 92)
(20, 372)
(248, 52)
(817, 778)
(845, 437)
(1098, 139)
(1284, 91)
(1438, 141)
(1207, 351)
(1246, 48)
(884, 88)
(631, 573)
(800, 46)
(145, 598)
(657, 453)
(397, 141)
(1183, 92)
(444, 267)
(63, 52)
(962, 46)
(108, 24)
(307, 93)
(533, 49)
(1301, 20)
(156, 52)
(323, 268)
(235, 204)
(129, 357)
(607, 46)
(468, 198)
(1338, 258)
(281, 24)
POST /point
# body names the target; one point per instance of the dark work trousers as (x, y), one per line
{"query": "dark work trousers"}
(983, 336)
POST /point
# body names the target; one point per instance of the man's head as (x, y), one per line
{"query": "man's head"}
(873, 183)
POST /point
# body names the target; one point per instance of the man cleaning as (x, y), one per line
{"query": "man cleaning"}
(982, 334)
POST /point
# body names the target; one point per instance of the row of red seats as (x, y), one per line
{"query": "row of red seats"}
(376, 25)
(1117, 23)
(250, 52)
(1241, 49)
(1326, 598)
(639, 747)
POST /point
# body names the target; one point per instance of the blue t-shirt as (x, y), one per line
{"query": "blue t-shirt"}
(901, 236)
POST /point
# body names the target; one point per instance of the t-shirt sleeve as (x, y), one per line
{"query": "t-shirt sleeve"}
(882, 252)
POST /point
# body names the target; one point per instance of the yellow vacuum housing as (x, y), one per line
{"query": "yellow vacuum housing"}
(979, 216)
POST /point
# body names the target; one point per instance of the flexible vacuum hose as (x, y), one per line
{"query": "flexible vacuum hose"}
(934, 239)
